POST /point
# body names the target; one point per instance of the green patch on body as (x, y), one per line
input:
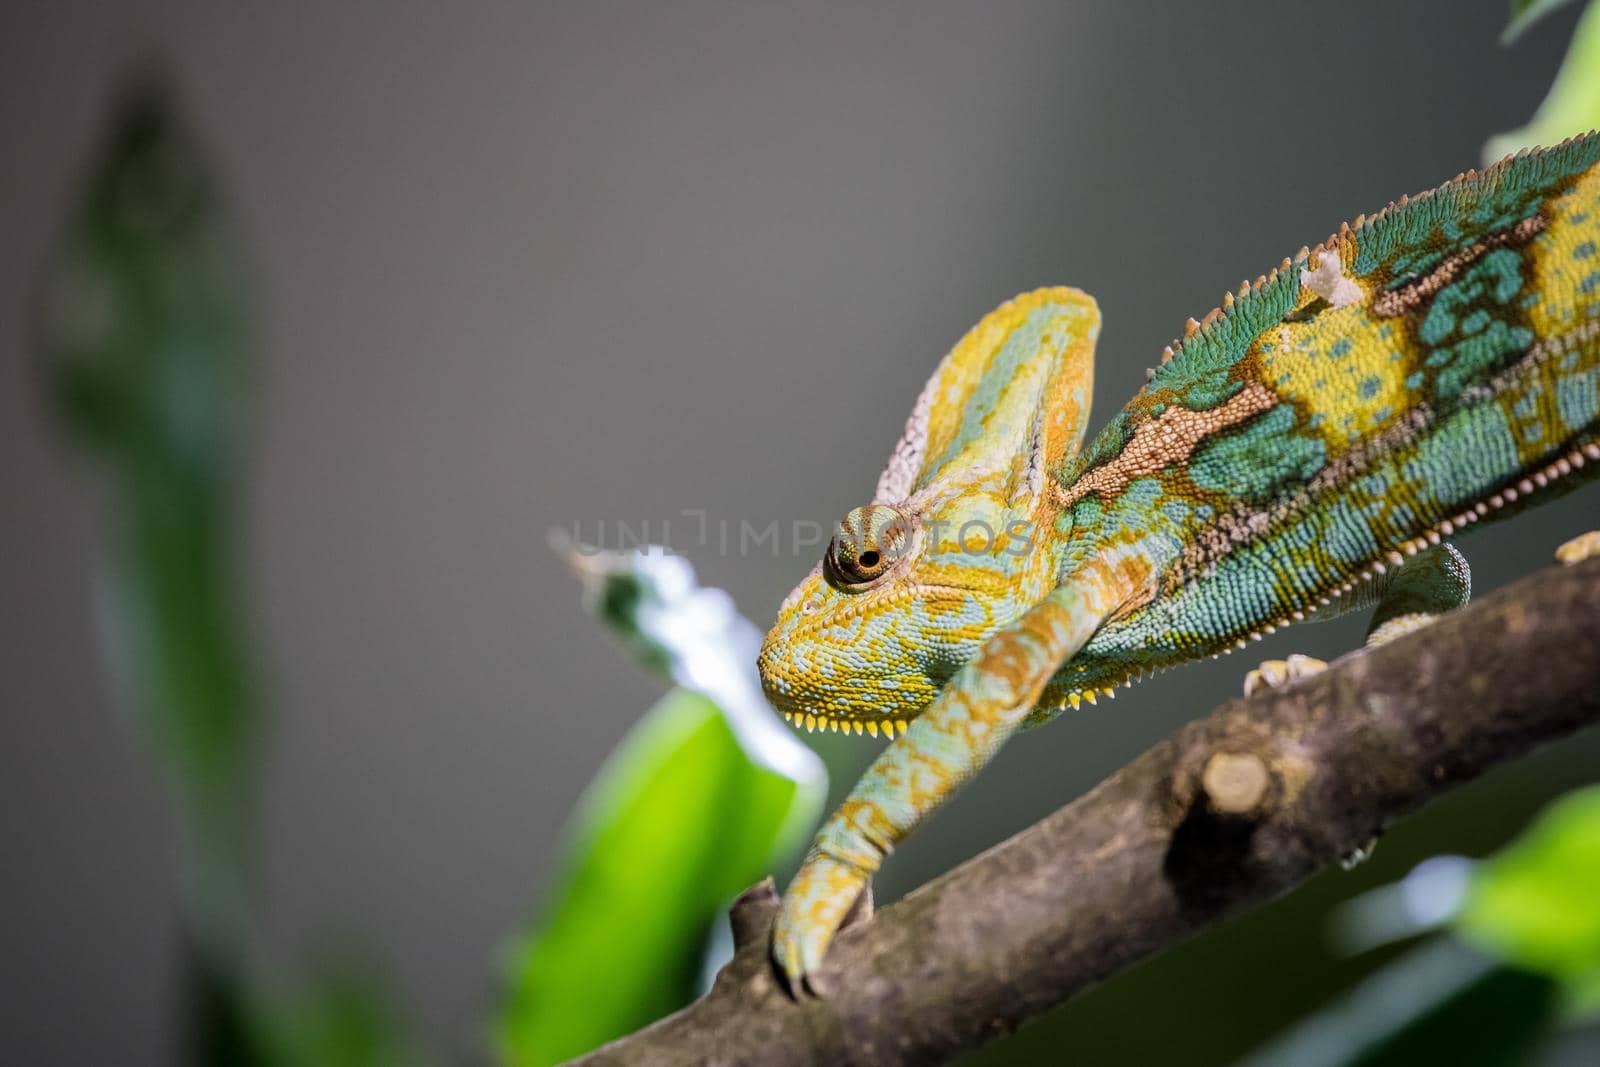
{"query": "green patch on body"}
(1347, 537)
(1227, 340)
(1465, 457)
(1578, 401)
(1408, 240)
(1257, 456)
(1471, 325)
(1195, 386)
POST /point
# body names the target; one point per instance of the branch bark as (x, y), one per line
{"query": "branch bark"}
(1231, 811)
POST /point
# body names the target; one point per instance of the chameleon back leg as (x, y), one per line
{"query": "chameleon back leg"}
(1584, 546)
(1406, 598)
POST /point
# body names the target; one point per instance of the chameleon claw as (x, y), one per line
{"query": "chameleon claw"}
(787, 953)
(1277, 673)
(1584, 546)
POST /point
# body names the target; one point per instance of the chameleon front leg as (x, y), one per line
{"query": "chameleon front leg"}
(981, 706)
(1409, 597)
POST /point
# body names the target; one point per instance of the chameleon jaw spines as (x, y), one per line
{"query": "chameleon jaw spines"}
(1077, 698)
(812, 722)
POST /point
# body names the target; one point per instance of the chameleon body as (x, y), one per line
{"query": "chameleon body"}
(1295, 454)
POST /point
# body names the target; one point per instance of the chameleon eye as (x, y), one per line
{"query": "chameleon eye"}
(866, 545)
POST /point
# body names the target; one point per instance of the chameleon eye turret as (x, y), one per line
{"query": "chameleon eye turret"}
(866, 545)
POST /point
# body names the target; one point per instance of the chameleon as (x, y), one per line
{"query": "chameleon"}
(1301, 451)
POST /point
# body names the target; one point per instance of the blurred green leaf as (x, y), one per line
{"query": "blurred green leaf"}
(221, 1013)
(1531, 916)
(1536, 904)
(344, 1017)
(677, 822)
(694, 636)
(1425, 899)
(1439, 1004)
(1498, 1017)
(1572, 106)
(704, 796)
(142, 321)
(1524, 13)
(144, 344)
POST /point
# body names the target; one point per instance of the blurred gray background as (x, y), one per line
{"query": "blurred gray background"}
(523, 265)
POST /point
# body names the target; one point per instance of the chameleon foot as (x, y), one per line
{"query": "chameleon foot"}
(1426, 586)
(819, 902)
(1276, 673)
(1399, 626)
(1580, 548)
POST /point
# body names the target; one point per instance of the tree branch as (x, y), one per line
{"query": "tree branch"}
(1231, 811)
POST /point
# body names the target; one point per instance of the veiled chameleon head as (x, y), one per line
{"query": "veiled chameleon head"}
(954, 545)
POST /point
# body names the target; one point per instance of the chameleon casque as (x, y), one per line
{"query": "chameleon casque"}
(1298, 453)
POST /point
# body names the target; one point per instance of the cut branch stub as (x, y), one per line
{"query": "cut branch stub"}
(1236, 784)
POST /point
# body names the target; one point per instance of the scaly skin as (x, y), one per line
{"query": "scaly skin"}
(1420, 371)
